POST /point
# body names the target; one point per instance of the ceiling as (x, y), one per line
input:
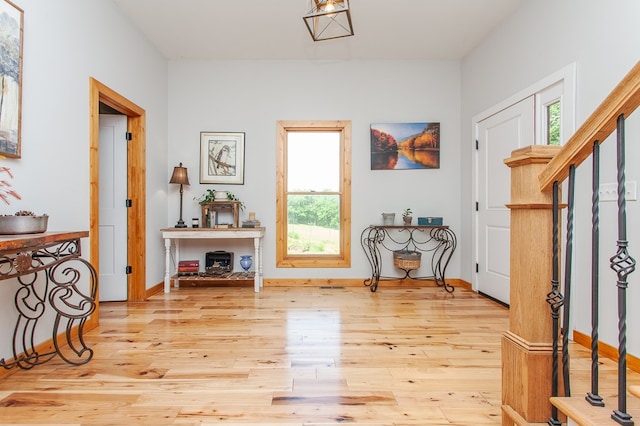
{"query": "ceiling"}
(262, 29)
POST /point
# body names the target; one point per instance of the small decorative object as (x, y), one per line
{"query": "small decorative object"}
(195, 222)
(220, 195)
(222, 158)
(430, 221)
(406, 216)
(23, 222)
(246, 261)
(388, 219)
(218, 262)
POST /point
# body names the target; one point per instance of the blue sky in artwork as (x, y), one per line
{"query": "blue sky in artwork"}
(400, 131)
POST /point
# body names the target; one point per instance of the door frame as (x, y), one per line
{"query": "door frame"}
(136, 187)
(566, 75)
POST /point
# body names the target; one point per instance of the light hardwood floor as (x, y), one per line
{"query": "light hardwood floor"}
(285, 356)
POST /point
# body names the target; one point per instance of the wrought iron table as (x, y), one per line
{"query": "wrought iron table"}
(438, 241)
(48, 268)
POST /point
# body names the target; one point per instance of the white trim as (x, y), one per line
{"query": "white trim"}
(566, 76)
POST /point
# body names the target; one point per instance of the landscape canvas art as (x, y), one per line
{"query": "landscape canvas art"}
(398, 146)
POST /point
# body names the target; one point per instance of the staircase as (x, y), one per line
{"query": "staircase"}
(536, 382)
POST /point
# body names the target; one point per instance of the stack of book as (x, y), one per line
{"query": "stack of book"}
(188, 267)
(251, 224)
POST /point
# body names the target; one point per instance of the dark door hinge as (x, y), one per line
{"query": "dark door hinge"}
(477, 268)
(477, 206)
(128, 136)
(477, 144)
(128, 202)
(128, 269)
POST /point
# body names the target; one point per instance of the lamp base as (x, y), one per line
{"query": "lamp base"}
(180, 224)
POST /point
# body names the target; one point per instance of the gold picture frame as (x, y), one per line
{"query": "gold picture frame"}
(11, 36)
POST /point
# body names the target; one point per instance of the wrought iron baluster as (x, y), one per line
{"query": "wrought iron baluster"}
(567, 281)
(623, 264)
(593, 397)
(554, 299)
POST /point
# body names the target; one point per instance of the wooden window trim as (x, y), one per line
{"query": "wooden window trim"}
(343, 259)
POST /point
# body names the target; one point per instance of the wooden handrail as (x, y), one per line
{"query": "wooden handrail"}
(623, 99)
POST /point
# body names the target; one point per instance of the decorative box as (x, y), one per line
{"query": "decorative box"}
(218, 262)
(430, 221)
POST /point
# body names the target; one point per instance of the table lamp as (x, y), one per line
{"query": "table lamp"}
(179, 176)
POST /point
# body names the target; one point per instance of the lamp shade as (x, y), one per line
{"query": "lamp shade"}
(328, 19)
(179, 175)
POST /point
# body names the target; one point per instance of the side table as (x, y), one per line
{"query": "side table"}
(437, 241)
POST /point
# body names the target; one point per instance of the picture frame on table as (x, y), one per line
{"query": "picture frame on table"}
(222, 157)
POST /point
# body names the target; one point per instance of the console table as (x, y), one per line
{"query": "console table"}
(177, 234)
(48, 269)
(437, 241)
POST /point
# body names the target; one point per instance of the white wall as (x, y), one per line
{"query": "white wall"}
(543, 36)
(250, 96)
(65, 43)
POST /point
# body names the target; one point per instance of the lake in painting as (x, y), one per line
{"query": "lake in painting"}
(397, 146)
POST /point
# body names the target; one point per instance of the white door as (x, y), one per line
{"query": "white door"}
(113, 210)
(497, 136)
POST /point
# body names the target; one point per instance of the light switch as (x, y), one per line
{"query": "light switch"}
(609, 191)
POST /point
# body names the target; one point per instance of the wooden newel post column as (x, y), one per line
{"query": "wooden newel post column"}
(527, 345)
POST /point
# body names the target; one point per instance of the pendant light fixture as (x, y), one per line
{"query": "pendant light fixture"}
(328, 19)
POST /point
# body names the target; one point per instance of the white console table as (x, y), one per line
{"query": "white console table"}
(177, 234)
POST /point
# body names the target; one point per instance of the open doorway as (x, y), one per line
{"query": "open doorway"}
(136, 188)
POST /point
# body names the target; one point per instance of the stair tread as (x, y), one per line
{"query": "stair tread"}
(584, 414)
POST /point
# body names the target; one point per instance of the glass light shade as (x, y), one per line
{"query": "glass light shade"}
(329, 19)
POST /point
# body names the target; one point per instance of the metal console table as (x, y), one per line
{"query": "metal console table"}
(48, 269)
(439, 241)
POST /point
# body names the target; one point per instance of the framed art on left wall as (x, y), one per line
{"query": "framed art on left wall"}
(222, 157)
(11, 24)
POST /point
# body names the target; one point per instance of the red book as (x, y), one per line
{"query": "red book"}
(189, 263)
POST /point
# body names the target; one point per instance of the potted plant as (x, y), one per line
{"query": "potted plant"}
(211, 203)
(209, 196)
(406, 216)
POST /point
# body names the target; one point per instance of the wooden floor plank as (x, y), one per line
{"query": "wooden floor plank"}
(284, 356)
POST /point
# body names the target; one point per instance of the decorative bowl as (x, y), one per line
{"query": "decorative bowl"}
(13, 225)
(220, 196)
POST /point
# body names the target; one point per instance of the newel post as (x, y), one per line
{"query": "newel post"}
(527, 345)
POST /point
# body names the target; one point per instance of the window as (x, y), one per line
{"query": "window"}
(549, 110)
(553, 123)
(313, 204)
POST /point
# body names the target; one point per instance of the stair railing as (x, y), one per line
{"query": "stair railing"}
(610, 116)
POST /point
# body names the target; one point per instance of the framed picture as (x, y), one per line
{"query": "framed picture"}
(222, 158)
(11, 23)
(397, 146)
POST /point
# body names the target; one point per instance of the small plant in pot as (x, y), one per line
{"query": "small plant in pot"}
(406, 216)
(22, 222)
(209, 196)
